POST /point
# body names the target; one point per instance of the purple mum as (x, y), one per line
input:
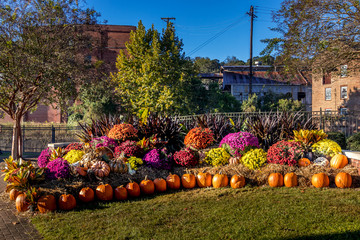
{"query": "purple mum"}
(239, 143)
(44, 158)
(158, 158)
(59, 168)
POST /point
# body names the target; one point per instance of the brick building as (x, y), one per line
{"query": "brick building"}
(111, 39)
(336, 91)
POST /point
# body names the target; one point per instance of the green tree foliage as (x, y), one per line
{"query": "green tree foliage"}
(40, 42)
(206, 65)
(316, 34)
(232, 61)
(219, 101)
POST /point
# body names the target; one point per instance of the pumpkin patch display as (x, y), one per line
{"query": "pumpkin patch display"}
(13, 194)
(188, 180)
(21, 203)
(320, 180)
(220, 180)
(304, 162)
(67, 202)
(160, 184)
(203, 179)
(343, 180)
(173, 181)
(290, 180)
(147, 186)
(133, 189)
(338, 161)
(120, 193)
(237, 181)
(104, 192)
(86, 195)
(276, 180)
(46, 204)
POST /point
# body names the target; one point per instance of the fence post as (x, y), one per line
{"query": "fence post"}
(52, 134)
(320, 118)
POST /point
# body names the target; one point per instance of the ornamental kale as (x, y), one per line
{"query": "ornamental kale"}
(239, 143)
(158, 158)
(59, 168)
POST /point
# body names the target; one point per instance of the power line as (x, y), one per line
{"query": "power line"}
(215, 36)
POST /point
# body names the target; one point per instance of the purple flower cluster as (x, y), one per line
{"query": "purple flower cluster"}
(238, 143)
(129, 148)
(59, 168)
(104, 141)
(44, 158)
(158, 158)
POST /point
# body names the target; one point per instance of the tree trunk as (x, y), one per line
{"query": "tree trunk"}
(16, 149)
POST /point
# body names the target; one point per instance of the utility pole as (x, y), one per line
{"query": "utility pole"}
(167, 20)
(252, 16)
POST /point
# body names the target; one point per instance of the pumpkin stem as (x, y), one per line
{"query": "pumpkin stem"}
(146, 177)
(130, 180)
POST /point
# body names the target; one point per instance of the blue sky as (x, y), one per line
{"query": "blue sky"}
(197, 21)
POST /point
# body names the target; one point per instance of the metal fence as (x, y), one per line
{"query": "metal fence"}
(37, 138)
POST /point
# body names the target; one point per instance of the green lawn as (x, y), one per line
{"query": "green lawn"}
(248, 213)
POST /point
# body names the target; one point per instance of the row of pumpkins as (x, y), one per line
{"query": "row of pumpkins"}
(105, 192)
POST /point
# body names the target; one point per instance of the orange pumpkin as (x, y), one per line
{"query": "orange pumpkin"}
(21, 203)
(160, 184)
(173, 181)
(237, 181)
(147, 186)
(276, 180)
(101, 169)
(203, 179)
(220, 180)
(82, 171)
(304, 162)
(13, 194)
(343, 180)
(121, 193)
(86, 194)
(290, 180)
(320, 180)
(133, 189)
(67, 202)
(339, 161)
(104, 192)
(188, 180)
(46, 204)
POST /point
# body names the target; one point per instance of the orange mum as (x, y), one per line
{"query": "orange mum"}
(199, 138)
(123, 132)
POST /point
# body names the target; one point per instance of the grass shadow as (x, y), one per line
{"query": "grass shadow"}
(341, 236)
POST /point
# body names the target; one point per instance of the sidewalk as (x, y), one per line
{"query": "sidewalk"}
(13, 227)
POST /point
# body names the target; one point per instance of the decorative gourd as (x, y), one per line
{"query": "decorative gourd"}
(343, 180)
(13, 194)
(203, 179)
(46, 204)
(188, 180)
(82, 171)
(118, 167)
(220, 180)
(320, 180)
(290, 180)
(173, 181)
(237, 181)
(160, 184)
(304, 162)
(133, 189)
(234, 160)
(104, 192)
(121, 193)
(86, 194)
(101, 169)
(67, 202)
(276, 180)
(338, 161)
(147, 186)
(21, 203)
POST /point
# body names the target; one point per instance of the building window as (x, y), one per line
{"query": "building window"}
(227, 88)
(343, 70)
(328, 111)
(343, 92)
(327, 94)
(343, 111)
(327, 78)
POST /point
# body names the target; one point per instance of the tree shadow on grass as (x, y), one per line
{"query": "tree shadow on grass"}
(355, 235)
